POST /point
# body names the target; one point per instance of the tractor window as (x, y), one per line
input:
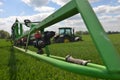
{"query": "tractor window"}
(68, 31)
(62, 31)
(65, 31)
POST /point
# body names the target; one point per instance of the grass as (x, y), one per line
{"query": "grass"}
(14, 65)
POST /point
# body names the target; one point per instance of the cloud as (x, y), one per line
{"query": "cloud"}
(119, 1)
(63, 2)
(1, 10)
(6, 23)
(1, 3)
(92, 1)
(35, 3)
(44, 9)
(107, 9)
(22, 13)
(39, 5)
(110, 23)
(60, 2)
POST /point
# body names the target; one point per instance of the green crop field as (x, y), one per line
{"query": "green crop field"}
(15, 65)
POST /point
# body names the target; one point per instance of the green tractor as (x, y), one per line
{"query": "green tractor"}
(66, 34)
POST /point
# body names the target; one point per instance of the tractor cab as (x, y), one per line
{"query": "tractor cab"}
(65, 31)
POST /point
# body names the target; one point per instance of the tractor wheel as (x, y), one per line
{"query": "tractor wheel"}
(40, 51)
(66, 40)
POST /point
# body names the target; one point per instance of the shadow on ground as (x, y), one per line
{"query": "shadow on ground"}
(12, 64)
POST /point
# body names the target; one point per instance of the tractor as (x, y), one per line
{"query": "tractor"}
(66, 34)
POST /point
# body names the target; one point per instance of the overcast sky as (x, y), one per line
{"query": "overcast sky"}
(108, 12)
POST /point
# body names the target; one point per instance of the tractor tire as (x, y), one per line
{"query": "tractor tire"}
(40, 51)
(66, 40)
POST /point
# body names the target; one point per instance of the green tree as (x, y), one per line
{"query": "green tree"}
(4, 34)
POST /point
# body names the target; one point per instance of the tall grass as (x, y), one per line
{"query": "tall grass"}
(14, 65)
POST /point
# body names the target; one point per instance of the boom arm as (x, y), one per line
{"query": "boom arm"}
(99, 37)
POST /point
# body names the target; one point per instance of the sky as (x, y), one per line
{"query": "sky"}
(107, 11)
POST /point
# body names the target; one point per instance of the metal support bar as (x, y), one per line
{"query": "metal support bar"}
(89, 64)
(100, 72)
(65, 12)
(108, 53)
(21, 29)
(104, 46)
(28, 37)
(47, 50)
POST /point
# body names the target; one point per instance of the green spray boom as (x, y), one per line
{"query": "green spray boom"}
(99, 37)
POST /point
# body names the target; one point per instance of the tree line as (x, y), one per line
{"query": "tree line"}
(4, 34)
(86, 32)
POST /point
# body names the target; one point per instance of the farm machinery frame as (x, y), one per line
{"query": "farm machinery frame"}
(108, 53)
